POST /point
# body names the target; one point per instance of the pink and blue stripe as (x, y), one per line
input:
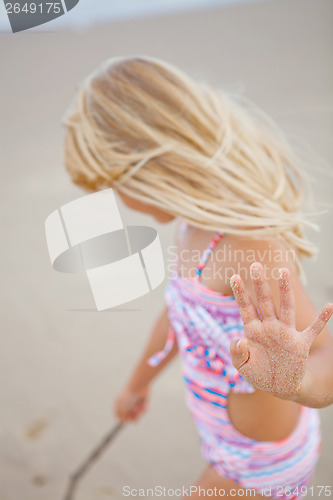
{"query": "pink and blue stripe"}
(205, 322)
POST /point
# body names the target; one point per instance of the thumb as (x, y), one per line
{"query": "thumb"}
(240, 354)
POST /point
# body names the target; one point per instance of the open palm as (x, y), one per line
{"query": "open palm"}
(273, 355)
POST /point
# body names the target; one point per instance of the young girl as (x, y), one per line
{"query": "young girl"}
(254, 367)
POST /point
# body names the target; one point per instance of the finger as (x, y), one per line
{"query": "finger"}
(262, 291)
(139, 406)
(119, 414)
(246, 307)
(140, 409)
(240, 354)
(124, 417)
(132, 415)
(319, 323)
(287, 299)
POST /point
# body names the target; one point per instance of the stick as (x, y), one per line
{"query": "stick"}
(94, 455)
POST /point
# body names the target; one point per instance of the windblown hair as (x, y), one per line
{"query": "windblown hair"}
(209, 157)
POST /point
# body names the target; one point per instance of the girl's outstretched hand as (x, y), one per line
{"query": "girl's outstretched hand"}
(273, 355)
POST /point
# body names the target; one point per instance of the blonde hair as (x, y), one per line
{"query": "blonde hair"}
(214, 159)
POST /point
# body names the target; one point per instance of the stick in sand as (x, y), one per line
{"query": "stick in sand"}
(94, 455)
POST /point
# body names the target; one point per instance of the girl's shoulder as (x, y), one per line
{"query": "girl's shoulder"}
(233, 254)
(240, 248)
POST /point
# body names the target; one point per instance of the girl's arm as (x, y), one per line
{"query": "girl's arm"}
(143, 373)
(132, 401)
(317, 385)
(282, 352)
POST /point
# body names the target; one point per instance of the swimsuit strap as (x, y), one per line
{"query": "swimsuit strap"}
(159, 356)
(205, 256)
(183, 225)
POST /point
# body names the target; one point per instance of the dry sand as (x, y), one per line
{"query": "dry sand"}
(62, 363)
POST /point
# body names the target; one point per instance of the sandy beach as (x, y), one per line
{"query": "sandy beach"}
(62, 363)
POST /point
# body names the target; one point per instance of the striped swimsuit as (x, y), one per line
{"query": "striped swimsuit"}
(205, 322)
